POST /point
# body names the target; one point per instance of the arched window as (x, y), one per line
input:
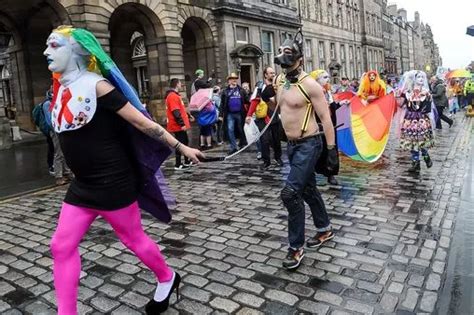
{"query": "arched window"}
(139, 49)
(139, 61)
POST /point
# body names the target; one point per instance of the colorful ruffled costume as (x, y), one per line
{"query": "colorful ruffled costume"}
(417, 118)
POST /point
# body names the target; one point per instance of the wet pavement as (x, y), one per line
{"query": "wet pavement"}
(394, 232)
(24, 168)
(458, 291)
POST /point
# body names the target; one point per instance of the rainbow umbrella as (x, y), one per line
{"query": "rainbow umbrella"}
(458, 73)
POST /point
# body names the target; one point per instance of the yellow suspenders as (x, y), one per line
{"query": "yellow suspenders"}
(309, 105)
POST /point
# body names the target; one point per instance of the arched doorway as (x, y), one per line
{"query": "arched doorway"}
(247, 60)
(26, 25)
(138, 47)
(198, 50)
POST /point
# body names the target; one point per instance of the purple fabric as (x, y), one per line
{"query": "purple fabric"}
(154, 195)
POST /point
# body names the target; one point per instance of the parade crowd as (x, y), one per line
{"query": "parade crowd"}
(104, 142)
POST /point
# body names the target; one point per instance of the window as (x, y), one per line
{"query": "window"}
(267, 47)
(308, 49)
(330, 15)
(332, 51)
(340, 21)
(359, 62)
(351, 62)
(242, 34)
(321, 54)
(308, 55)
(318, 10)
(343, 59)
(371, 60)
(286, 35)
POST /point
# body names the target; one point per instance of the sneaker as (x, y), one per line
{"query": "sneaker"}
(189, 164)
(293, 258)
(428, 161)
(266, 165)
(182, 167)
(259, 156)
(279, 162)
(319, 239)
(415, 167)
(220, 143)
(51, 171)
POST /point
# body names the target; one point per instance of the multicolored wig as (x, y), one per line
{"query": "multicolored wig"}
(367, 87)
(86, 44)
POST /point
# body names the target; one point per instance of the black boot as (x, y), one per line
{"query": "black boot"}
(153, 307)
(415, 167)
(428, 161)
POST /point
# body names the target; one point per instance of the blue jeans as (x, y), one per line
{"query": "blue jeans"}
(234, 120)
(301, 187)
(415, 155)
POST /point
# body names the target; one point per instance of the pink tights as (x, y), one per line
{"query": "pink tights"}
(73, 223)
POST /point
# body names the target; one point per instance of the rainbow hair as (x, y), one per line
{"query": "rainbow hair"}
(99, 62)
(368, 88)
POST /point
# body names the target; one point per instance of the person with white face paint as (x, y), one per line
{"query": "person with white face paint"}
(95, 125)
(323, 78)
(416, 128)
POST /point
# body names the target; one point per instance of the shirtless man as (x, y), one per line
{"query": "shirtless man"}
(304, 149)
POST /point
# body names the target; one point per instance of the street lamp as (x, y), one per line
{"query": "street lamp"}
(428, 68)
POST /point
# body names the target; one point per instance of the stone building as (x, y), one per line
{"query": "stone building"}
(151, 41)
(342, 36)
(155, 40)
(408, 44)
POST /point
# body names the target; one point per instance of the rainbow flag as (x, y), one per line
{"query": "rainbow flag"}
(364, 133)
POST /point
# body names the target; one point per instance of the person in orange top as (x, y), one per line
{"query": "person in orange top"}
(178, 120)
(371, 87)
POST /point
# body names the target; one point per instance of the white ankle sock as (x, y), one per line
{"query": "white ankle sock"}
(163, 289)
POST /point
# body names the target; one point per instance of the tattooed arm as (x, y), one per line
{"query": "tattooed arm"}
(149, 127)
(155, 131)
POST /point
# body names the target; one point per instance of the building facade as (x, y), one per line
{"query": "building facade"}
(155, 40)
(407, 44)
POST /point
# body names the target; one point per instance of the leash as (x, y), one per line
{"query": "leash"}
(226, 158)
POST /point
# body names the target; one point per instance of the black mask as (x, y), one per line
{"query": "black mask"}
(287, 60)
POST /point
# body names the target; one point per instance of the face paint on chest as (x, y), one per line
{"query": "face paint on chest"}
(59, 54)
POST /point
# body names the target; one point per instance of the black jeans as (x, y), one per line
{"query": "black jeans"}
(301, 187)
(442, 116)
(271, 137)
(181, 136)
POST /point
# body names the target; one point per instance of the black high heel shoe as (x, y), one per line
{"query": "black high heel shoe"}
(153, 307)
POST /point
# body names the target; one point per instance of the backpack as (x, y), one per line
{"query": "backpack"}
(40, 119)
(208, 116)
(261, 111)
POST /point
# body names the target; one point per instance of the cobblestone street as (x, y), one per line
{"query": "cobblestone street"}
(228, 237)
